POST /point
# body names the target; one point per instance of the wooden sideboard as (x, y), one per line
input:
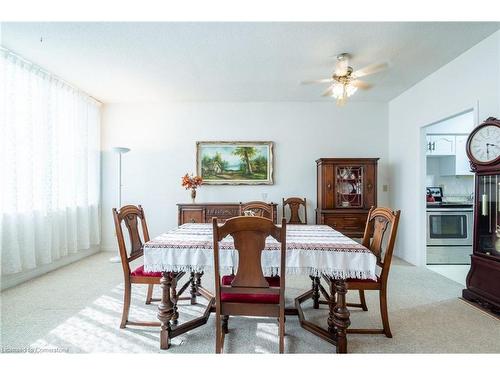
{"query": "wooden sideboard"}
(204, 212)
(346, 189)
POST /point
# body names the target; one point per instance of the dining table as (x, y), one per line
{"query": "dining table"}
(315, 251)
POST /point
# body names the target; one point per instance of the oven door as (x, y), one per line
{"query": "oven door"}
(449, 227)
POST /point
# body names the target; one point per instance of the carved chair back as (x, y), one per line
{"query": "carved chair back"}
(249, 235)
(381, 222)
(294, 204)
(131, 216)
(257, 208)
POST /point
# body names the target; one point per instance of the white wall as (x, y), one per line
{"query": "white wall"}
(471, 81)
(462, 124)
(163, 136)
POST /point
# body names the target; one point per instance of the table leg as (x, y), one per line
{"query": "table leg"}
(193, 290)
(315, 289)
(198, 282)
(338, 319)
(332, 330)
(174, 298)
(165, 310)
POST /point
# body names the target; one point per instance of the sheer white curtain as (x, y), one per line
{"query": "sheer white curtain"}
(49, 167)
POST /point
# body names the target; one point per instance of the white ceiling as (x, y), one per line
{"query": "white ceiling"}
(140, 62)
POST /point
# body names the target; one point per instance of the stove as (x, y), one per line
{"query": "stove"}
(449, 229)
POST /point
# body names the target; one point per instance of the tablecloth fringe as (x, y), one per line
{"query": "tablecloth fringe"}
(271, 271)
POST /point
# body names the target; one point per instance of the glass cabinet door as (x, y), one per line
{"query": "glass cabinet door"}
(488, 226)
(349, 186)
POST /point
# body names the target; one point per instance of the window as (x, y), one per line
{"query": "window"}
(49, 166)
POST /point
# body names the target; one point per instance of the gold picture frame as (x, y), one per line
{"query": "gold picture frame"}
(235, 162)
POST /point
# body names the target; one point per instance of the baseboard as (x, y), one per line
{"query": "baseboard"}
(477, 306)
(9, 281)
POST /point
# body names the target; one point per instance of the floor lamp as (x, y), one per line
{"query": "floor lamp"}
(119, 151)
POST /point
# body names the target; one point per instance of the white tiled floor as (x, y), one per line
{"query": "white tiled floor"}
(455, 272)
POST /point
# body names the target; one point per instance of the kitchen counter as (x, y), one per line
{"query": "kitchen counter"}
(449, 205)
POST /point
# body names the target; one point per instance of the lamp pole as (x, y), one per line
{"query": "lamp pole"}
(120, 151)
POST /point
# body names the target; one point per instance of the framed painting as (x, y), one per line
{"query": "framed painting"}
(235, 163)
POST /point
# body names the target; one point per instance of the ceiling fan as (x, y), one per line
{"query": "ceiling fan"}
(344, 81)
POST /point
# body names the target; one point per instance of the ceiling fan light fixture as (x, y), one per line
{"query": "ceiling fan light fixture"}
(341, 90)
(345, 82)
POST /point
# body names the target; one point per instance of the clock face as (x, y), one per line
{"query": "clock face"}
(485, 144)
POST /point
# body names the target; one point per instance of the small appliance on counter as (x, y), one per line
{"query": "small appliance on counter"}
(434, 194)
(449, 229)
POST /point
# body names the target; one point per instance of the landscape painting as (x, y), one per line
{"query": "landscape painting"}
(235, 163)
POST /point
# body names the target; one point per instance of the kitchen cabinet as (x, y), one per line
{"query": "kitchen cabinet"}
(454, 164)
(440, 144)
(462, 164)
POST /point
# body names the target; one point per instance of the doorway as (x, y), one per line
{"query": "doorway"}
(449, 187)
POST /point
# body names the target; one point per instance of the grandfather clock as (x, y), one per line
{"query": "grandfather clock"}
(483, 279)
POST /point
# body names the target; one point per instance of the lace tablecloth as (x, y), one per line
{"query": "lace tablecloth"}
(311, 250)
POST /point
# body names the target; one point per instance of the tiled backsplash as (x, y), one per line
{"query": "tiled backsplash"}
(453, 186)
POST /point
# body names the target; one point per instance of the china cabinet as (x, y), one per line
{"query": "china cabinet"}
(346, 189)
(483, 279)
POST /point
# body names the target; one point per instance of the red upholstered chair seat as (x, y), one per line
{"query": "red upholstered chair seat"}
(139, 271)
(250, 298)
(362, 280)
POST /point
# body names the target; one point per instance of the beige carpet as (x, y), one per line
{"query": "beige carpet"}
(77, 309)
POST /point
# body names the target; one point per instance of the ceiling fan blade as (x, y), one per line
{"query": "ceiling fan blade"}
(328, 92)
(361, 84)
(370, 69)
(325, 80)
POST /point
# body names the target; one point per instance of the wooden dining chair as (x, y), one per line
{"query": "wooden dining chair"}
(294, 203)
(257, 208)
(381, 221)
(249, 293)
(131, 215)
